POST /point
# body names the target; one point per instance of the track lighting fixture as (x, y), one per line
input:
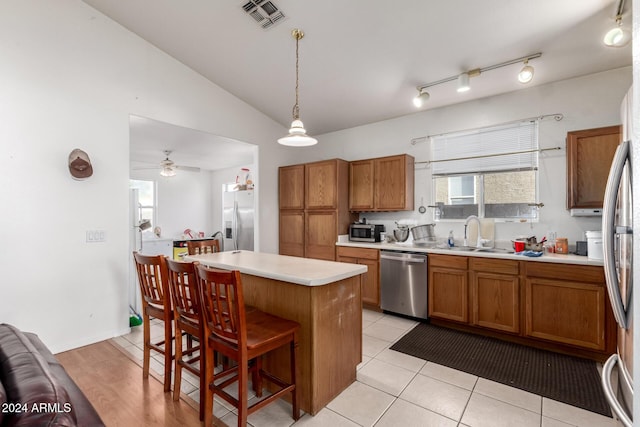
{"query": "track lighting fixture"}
(297, 136)
(618, 36)
(421, 98)
(463, 82)
(524, 76)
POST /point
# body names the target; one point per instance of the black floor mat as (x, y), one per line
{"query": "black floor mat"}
(567, 379)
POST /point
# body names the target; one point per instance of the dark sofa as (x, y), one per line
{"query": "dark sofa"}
(35, 390)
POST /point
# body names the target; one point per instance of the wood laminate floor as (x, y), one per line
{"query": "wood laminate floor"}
(114, 385)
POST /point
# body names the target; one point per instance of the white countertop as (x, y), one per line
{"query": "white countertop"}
(301, 271)
(557, 258)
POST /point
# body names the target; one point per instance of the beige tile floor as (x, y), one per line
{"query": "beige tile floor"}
(394, 389)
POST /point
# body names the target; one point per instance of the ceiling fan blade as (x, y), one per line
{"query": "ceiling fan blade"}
(187, 168)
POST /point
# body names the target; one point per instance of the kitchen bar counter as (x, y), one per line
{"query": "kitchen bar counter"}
(301, 271)
(324, 297)
(556, 258)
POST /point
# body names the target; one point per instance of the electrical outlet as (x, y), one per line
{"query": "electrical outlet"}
(96, 236)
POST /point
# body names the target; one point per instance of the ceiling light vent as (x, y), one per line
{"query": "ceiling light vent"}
(265, 13)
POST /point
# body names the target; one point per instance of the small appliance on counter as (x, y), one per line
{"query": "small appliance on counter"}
(363, 232)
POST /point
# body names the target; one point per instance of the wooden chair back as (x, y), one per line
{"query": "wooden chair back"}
(197, 247)
(183, 286)
(223, 305)
(153, 280)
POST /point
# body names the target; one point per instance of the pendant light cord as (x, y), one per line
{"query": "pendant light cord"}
(297, 34)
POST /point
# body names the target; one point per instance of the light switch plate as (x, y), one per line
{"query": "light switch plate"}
(96, 236)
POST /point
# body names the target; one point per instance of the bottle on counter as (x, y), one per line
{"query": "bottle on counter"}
(450, 239)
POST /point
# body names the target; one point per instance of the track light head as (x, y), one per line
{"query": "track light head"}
(526, 74)
(421, 98)
(463, 82)
(618, 36)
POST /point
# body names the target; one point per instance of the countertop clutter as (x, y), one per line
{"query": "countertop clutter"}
(470, 251)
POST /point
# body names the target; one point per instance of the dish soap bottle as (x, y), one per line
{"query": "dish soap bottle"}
(450, 239)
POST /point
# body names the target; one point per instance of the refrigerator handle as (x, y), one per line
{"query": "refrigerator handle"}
(609, 232)
(235, 224)
(610, 394)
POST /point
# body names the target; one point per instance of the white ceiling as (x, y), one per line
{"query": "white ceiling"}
(361, 60)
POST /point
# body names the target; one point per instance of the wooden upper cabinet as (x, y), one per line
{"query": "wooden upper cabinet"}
(382, 184)
(322, 184)
(589, 156)
(361, 185)
(291, 187)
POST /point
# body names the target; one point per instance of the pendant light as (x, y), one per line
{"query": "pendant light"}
(297, 136)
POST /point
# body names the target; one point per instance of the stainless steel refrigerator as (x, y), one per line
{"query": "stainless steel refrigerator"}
(238, 220)
(617, 233)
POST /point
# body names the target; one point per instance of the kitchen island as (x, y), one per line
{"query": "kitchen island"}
(324, 297)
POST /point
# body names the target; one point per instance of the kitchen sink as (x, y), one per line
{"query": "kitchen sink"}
(488, 250)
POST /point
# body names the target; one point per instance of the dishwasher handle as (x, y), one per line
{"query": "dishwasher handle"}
(407, 259)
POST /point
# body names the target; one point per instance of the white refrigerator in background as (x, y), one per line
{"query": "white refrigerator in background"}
(238, 220)
(617, 243)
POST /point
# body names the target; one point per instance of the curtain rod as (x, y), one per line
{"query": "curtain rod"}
(489, 155)
(556, 116)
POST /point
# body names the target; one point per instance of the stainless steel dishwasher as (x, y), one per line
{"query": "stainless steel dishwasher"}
(403, 283)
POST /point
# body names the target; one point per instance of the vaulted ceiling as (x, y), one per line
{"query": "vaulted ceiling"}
(361, 60)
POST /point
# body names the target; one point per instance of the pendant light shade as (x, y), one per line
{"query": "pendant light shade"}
(297, 136)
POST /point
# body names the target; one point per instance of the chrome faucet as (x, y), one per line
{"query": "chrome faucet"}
(466, 223)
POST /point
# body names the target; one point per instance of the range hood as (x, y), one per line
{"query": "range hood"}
(586, 212)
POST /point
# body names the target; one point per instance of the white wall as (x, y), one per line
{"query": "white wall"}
(586, 102)
(70, 77)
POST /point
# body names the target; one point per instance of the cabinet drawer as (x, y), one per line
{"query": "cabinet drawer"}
(348, 251)
(448, 261)
(576, 273)
(499, 266)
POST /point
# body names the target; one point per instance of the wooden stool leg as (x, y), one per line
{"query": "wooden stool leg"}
(208, 379)
(256, 376)
(178, 367)
(243, 392)
(295, 393)
(147, 349)
(168, 353)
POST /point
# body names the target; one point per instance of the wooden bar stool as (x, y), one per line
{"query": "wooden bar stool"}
(183, 286)
(156, 304)
(196, 247)
(244, 336)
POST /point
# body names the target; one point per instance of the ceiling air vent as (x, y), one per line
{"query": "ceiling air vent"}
(265, 13)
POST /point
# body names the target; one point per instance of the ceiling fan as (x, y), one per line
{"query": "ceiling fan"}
(168, 167)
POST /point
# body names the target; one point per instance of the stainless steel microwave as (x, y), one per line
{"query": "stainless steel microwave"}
(365, 232)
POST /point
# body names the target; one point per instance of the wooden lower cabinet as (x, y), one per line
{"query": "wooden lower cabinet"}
(569, 310)
(495, 294)
(371, 279)
(559, 307)
(448, 296)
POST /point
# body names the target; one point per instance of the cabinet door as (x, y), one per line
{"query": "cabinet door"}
(495, 301)
(448, 296)
(321, 185)
(361, 185)
(566, 312)
(291, 187)
(371, 282)
(292, 233)
(589, 156)
(320, 235)
(394, 178)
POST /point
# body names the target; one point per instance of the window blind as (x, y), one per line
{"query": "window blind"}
(449, 150)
